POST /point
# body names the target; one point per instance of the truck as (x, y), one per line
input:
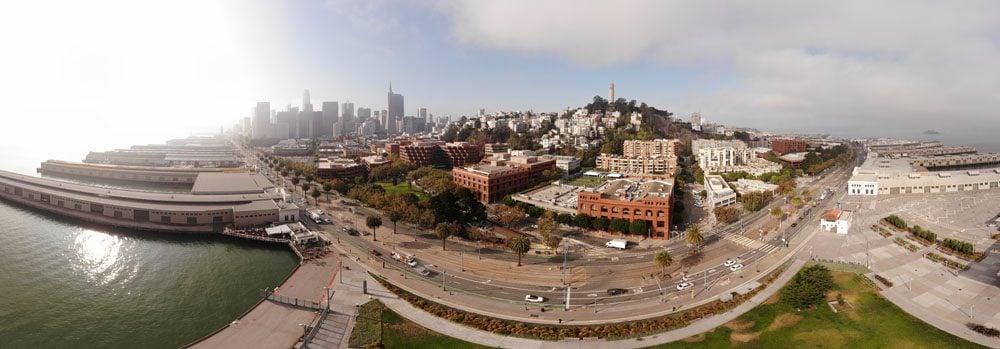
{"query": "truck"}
(620, 244)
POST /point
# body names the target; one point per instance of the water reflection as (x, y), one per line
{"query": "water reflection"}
(98, 256)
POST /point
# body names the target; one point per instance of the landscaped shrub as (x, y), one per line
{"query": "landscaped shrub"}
(883, 280)
(986, 331)
(947, 262)
(958, 246)
(896, 221)
(923, 234)
(900, 241)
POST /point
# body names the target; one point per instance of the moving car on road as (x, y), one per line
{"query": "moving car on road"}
(533, 298)
(616, 291)
(729, 262)
(375, 252)
(736, 267)
(684, 286)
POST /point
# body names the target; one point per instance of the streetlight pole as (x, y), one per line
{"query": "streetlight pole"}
(463, 260)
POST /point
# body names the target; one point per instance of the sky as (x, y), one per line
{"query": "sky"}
(117, 68)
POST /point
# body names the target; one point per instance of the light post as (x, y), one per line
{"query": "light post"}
(463, 260)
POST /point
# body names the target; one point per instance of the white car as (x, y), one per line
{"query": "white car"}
(729, 262)
(686, 277)
(736, 267)
(412, 262)
(684, 286)
(533, 298)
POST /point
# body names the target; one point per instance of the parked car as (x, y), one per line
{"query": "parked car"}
(533, 298)
(616, 291)
(684, 286)
(736, 267)
(374, 252)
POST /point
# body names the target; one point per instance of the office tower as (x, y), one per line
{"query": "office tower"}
(395, 111)
(261, 120)
(331, 114)
(347, 119)
(383, 116)
(306, 104)
(364, 114)
(304, 123)
(422, 114)
(482, 112)
(289, 118)
(611, 92)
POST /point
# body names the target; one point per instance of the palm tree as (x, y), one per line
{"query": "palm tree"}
(663, 259)
(693, 235)
(519, 245)
(327, 187)
(443, 231)
(776, 212)
(394, 216)
(373, 222)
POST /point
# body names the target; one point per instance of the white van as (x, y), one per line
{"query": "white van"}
(620, 244)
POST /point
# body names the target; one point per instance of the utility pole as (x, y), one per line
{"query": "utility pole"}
(463, 261)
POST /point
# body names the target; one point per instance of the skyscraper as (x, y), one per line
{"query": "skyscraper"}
(395, 111)
(331, 114)
(611, 92)
(261, 120)
(306, 104)
(422, 114)
(347, 119)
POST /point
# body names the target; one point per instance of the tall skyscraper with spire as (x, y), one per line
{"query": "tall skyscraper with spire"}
(395, 111)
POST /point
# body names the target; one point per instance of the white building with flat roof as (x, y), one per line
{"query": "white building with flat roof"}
(836, 220)
(719, 193)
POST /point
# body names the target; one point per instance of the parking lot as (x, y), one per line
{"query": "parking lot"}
(960, 216)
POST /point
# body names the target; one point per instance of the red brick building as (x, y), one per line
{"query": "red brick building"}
(496, 179)
(440, 154)
(631, 200)
(782, 146)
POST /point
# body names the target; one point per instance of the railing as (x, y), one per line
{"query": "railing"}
(252, 237)
(292, 301)
(315, 329)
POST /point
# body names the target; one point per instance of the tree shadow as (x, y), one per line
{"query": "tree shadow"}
(692, 259)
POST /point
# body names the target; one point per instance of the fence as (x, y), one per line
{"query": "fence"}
(842, 266)
(315, 329)
(292, 301)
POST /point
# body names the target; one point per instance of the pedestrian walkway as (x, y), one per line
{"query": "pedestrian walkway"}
(749, 243)
(332, 332)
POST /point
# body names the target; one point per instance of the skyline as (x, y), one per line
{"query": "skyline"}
(784, 68)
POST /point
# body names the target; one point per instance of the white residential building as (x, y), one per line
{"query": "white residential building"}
(836, 220)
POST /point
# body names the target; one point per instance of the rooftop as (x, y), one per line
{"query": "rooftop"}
(230, 183)
(634, 190)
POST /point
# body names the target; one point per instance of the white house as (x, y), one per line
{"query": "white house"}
(836, 220)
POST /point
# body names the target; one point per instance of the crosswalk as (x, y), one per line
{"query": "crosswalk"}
(749, 243)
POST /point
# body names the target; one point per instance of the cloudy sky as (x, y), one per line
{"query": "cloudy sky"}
(886, 67)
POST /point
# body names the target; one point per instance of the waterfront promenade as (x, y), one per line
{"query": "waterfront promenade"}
(275, 325)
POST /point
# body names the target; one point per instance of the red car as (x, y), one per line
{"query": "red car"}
(375, 253)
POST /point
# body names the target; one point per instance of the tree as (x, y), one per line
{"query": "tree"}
(295, 180)
(547, 224)
(693, 236)
(509, 216)
(663, 260)
(637, 227)
(777, 213)
(727, 215)
(620, 225)
(808, 288)
(305, 187)
(394, 214)
(581, 221)
(373, 222)
(315, 195)
(443, 231)
(519, 245)
(327, 187)
(601, 223)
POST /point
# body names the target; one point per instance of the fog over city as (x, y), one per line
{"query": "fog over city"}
(849, 68)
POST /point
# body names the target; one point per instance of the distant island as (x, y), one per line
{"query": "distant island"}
(931, 132)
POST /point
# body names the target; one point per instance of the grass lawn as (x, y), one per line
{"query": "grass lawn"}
(376, 322)
(402, 188)
(873, 322)
(588, 181)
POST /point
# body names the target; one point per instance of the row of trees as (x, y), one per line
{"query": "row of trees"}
(754, 201)
(958, 246)
(896, 221)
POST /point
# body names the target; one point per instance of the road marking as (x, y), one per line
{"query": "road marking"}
(592, 295)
